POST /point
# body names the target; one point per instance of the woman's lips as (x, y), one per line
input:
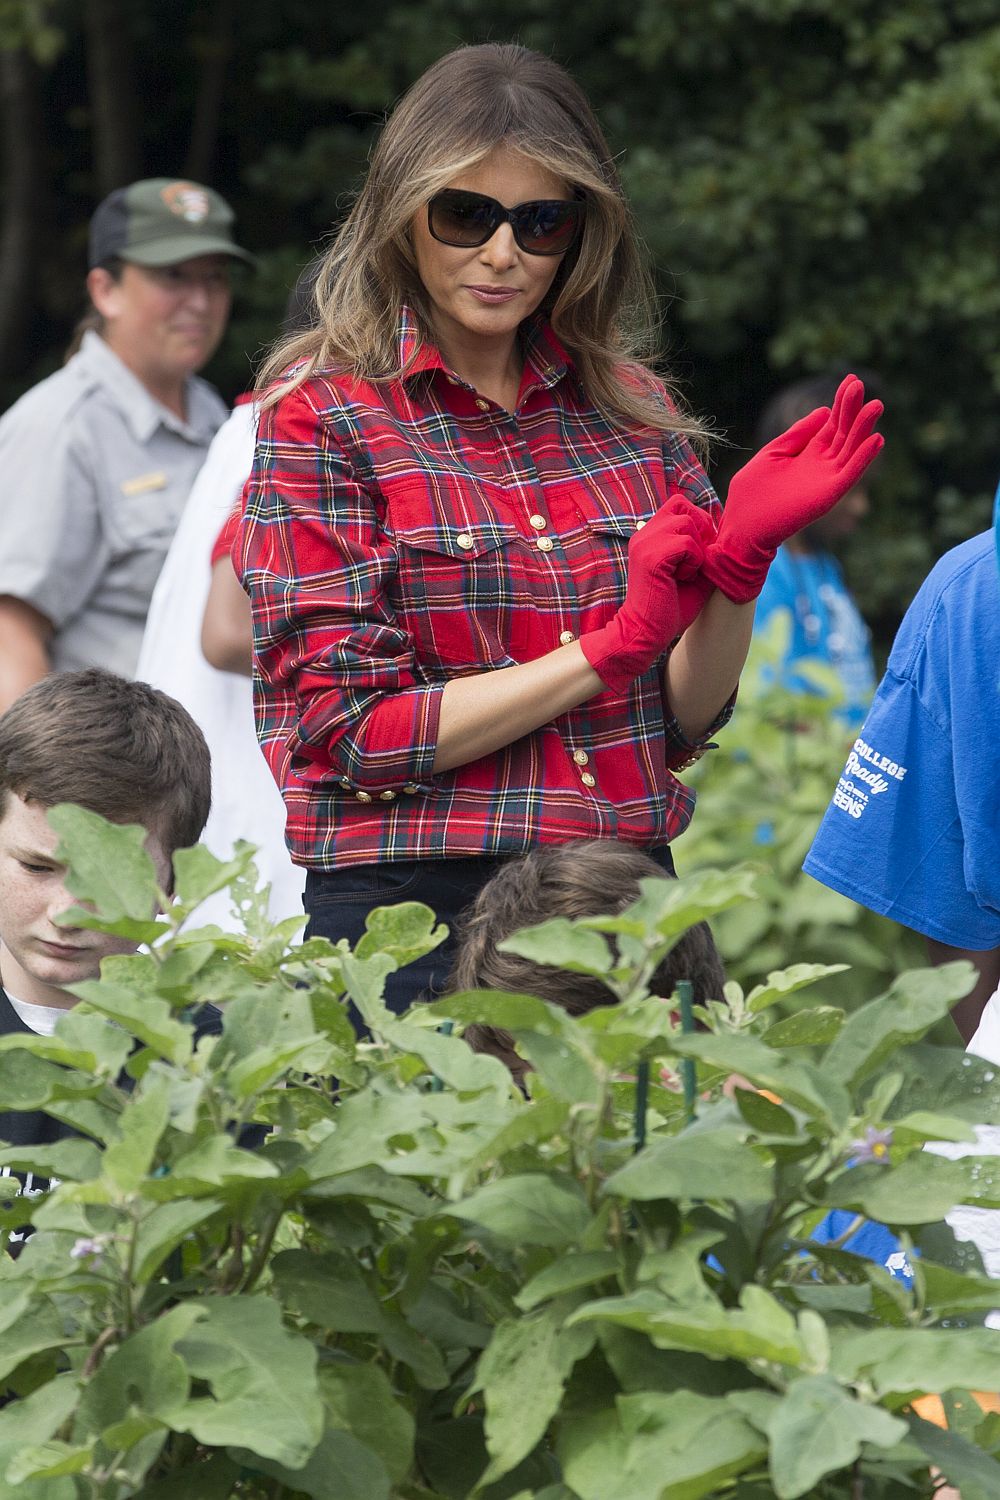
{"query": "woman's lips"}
(493, 296)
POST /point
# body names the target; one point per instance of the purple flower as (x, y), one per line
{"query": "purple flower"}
(874, 1147)
(85, 1249)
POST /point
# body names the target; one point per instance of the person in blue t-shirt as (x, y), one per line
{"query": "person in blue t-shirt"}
(806, 580)
(913, 828)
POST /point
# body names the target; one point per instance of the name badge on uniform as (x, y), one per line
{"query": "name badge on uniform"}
(142, 484)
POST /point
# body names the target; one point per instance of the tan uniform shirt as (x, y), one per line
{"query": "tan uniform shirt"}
(94, 473)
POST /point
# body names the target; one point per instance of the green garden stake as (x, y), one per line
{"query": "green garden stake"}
(685, 994)
(446, 1028)
(641, 1103)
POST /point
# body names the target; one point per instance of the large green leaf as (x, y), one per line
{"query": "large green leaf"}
(796, 1082)
(948, 1081)
(164, 1228)
(562, 944)
(69, 1160)
(522, 1374)
(144, 1016)
(339, 1468)
(667, 908)
(899, 1361)
(144, 1373)
(817, 1428)
(654, 1446)
(108, 866)
(48, 1461)
(568, 1273)
(450, 1059)
(366, 1123)
(262, 1378)
(359, 1399)
(514, 1012)
(36, 1418)
(759, 1329)
(198, 874)
(311, 1052)
(329, 1290)
(951, 1293)
(211, 1477)
(813, 1027)
(80, 1041)
(36, 1327)
(913, 1004)
(127, 1160)
(564, 1067)
(372, 1185)
(216, 1163)
(786, 981)
(28, 1081)
(528, 1209)
(405, 932)
(921, 1189)
(705, 1164)
(961, 1462)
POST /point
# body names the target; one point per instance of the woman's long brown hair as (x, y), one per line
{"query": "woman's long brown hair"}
(601, 305)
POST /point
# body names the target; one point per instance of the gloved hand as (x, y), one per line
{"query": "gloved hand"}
(791, 482)
(663, 594)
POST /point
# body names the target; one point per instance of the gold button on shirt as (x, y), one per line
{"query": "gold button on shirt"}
(566, 638)
(545, 544)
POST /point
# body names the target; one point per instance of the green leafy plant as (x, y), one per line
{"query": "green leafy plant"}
(424, 1286)
(761, 796)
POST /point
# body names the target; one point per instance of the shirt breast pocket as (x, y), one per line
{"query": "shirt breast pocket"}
(598, 553)
(454, 587)
(141, 514)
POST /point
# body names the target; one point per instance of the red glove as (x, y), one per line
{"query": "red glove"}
(662, 597)
(791, 482)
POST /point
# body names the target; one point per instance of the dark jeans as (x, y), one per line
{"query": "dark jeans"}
(338, 901)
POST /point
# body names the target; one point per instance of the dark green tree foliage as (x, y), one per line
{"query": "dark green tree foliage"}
(815, 179)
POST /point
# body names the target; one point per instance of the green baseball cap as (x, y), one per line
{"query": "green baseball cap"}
(161, 221)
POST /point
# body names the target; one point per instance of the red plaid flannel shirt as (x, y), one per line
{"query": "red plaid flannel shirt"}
(399, 534)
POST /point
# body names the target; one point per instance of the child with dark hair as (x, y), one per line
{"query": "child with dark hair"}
(584, 878)
(118, 748)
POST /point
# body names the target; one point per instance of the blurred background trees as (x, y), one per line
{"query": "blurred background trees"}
(816, 180)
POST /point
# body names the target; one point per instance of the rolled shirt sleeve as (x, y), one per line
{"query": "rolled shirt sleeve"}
(318, 567)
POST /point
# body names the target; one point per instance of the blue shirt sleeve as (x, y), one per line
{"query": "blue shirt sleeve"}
(913, 830)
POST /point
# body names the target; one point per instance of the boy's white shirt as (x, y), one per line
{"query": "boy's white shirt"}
(246, 802)
(38, 1018)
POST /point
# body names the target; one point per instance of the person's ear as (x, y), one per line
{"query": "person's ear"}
(104, 291)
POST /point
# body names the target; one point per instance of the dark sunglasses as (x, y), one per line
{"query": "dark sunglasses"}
(548, 226)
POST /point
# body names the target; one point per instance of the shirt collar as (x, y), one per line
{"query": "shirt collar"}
(141, 410)
(545, 359)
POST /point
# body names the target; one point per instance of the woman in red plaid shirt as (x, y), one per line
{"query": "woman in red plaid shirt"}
(496, 602)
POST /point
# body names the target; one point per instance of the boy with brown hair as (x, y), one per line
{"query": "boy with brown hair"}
(583, 878)
(118, 748)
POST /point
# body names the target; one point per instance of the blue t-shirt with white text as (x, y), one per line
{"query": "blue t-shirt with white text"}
(913, 830)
